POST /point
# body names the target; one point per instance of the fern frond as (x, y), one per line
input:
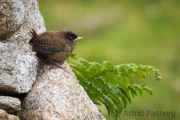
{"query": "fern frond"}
(112, 85)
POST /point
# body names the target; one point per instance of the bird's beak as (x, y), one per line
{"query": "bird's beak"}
(79, 38)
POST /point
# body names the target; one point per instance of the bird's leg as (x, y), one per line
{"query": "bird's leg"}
(60, 66)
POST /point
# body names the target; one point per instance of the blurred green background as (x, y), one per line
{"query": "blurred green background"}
(127, 31)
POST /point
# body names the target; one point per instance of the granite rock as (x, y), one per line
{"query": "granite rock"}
(18, 64)
(10, 104)
(57, 95)
(5, 116)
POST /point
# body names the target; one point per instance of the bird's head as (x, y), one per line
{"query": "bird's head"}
(71, 36)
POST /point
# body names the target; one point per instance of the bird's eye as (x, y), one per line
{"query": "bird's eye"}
(71, 36)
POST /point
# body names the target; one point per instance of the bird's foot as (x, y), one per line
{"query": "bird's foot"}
(64, 68)
(59, 65)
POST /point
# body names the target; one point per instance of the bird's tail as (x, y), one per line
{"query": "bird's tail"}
(33, 35)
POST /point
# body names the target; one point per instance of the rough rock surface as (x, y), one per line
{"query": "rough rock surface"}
(18, 64)
(57, 95)
(11, 17)
(10, 104)
(16, 71)
(5, 116)
(8, 70)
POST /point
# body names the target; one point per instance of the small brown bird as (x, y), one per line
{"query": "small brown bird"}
(54, 46)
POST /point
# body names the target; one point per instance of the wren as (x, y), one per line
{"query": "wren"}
(54, 46)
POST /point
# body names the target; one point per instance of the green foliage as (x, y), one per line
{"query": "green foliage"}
(112, 85)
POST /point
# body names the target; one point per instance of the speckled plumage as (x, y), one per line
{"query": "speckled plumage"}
(55, 46)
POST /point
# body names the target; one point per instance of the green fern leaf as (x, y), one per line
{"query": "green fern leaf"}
(112, 85)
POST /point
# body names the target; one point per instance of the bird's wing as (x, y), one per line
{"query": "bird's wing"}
(47, 44)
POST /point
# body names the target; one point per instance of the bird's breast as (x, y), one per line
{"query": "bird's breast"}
(59, 57)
